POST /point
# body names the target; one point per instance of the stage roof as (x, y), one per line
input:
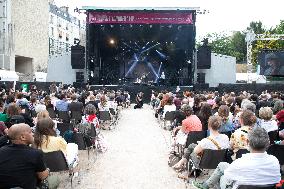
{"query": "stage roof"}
(138, 8)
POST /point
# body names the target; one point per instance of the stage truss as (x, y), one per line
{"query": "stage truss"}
(250, 38)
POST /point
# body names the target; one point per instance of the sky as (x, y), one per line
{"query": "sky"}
(222, 16)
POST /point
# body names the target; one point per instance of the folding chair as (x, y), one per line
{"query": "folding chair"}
(273, 136)
(52, 113)
(104, 117)
(64, 116)
(277, 151)
(195, 136)
(192, 138)
(169, 116)
(209, 160)
(114, 115)
(56, 162)
(240, 152)
(268, 186)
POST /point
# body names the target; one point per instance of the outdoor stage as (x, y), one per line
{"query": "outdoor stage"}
(138, 45)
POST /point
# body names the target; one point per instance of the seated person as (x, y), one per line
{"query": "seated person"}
(240, 136)
(90, 115)
(227, 123)
(169, 106)
(47, 141)
(191, 123)
(21, 165)
(254, 168)
(215, 141)
(265, 115)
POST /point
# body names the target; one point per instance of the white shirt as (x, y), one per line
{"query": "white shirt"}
(221, 139)
(268, 125)
(254, 169)
(169, 108)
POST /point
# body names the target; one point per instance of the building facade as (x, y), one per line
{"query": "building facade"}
(63, 29)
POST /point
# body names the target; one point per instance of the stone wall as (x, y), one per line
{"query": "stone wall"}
(30, 18)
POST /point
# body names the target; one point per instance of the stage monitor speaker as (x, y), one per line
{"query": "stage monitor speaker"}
(78, 57)
(200, 78)
(204, 57)
(80, 77)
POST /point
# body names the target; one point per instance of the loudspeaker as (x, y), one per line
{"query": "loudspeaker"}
(80, 77)
(201, 78)
(204, 57)
(78, 57)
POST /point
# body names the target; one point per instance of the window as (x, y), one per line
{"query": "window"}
(67, 26)
(52, 31)
(67, 37)
(51, 19)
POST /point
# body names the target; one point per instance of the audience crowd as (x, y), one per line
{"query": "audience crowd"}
(39, 122)
(243, 125)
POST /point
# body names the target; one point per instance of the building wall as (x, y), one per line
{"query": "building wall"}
(63, 29)
(30, 19)
(223, 70)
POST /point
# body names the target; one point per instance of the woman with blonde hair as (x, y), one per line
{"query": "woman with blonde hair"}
(266, 122)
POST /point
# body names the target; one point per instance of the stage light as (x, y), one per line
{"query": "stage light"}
(111, 26)
(111, 41)
(150, 26)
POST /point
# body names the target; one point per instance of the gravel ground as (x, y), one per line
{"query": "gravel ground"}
(136, 158)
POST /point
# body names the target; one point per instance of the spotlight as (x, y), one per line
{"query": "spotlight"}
(111, 41)
(111, 26)
(150, 26)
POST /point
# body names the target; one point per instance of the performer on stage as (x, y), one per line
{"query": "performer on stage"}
(162, 78)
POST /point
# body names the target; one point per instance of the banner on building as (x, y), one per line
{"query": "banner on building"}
(140, 18)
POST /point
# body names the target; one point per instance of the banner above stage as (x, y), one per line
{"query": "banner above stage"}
(140, 18)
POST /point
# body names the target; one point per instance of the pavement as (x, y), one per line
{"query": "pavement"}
(136, 158)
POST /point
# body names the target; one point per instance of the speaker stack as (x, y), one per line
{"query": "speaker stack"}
(78, 57)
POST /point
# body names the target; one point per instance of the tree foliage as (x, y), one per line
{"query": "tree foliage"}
(235, 44)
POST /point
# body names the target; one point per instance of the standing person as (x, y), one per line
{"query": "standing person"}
(162, 78)
(21, 165)
(139, 100)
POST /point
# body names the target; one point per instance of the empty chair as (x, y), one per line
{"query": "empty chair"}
(64, 116)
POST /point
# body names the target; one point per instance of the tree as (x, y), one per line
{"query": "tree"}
(256, 27)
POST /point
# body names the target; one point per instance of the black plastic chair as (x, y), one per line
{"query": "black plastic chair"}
(195, 136)
(273, 136)
(240, 152)
(52, 113)
(64, 116)
(106, 117)
(169, 116)
(56, 162)
(268, 186)
(277, 151)
(209, 160)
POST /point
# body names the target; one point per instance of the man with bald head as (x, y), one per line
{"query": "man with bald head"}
(21, 165)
